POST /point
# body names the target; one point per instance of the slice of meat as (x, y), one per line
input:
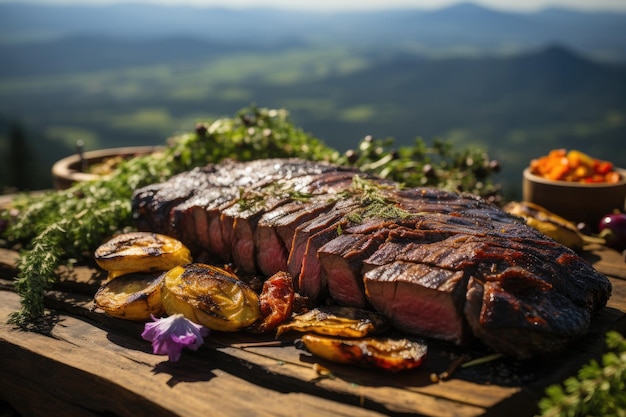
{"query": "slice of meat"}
(453, 253)
(341, 261)
(420, 299)
(191, 219)
(523, 320)
(151, 205)
(271, 251)
(287, 181)
(311, 282)
(273, 236)
(328, 219)
(239, 225)
(323, 192)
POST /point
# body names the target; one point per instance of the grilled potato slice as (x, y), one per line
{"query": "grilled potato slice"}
(140, 252)
(389, 354)
(132, 297)
(210, 296)
(336, 321)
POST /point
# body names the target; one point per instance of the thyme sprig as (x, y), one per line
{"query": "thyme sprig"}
(374, 202)
(253, 199)
(69, 224)
(597, 389)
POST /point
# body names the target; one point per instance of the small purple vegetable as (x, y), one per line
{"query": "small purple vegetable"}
(613, 228)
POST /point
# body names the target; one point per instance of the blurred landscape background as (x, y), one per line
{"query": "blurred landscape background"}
(514, 83)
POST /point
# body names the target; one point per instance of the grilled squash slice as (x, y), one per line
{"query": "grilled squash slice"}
(210, 296)
(132, 297)
(336, 321)
(388, 354)
(140, 252)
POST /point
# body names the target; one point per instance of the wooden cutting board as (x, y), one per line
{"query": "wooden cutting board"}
(78, 361)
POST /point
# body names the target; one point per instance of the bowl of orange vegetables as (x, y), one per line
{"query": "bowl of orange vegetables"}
(575, 185)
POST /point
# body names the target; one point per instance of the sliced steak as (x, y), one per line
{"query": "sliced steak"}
(307, 211)
(434, 263)
(273, 237)
(238, 227)
(239, 221)
(311, 281)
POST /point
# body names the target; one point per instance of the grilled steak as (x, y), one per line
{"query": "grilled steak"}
(438, 264)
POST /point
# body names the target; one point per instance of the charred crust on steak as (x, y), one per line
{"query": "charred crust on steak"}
(439, 264)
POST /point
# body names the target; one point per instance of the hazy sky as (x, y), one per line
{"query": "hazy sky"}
(519, 5)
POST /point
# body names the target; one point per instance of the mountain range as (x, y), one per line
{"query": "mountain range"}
(518, 84)
(462, 26)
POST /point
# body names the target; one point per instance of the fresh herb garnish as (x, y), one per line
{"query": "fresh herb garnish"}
(253, 199)
(597, 389)
(374, 202)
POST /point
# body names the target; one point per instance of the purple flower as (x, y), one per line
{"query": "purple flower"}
(170, 335)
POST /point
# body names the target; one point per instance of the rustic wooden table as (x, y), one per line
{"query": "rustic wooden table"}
(81, 362)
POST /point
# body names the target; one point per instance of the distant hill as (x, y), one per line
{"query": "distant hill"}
(463, 27)
(518, 84)
(91, 53)
(517, 107)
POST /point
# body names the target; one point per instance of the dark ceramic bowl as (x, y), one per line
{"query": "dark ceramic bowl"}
(576, 202)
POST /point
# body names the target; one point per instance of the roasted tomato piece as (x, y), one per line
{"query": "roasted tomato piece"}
(276, 301)
(388, 354)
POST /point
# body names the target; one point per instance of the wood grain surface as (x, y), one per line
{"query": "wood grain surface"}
(80, 362)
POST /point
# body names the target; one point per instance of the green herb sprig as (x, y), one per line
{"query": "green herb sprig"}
(56, 227)
(441, 165)
(597, 390)
(374, 202)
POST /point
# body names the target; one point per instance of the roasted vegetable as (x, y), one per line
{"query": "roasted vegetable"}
(613, 228)
(276, 302)
(550, 224)
(140, 252)
(388, 354)
(133, 296)
(336, 321)
(210, 296)
(574, 166)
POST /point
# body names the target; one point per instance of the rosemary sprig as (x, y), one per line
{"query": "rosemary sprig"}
(374, 202)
